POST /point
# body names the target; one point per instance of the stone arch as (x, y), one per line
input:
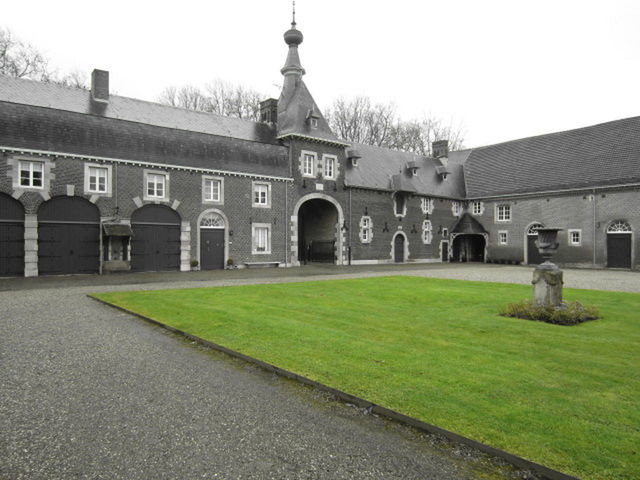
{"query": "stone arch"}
(406, 246)
(201, 217)
(340, 237)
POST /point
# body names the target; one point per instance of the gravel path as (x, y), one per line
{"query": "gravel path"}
(87, 392)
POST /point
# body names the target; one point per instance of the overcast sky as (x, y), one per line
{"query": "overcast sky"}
(501, 69)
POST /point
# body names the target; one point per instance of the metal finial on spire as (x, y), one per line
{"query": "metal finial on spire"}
(293, 22)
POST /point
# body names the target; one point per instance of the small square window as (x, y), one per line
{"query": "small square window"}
(97, 179)
(261, 194)
(156, 185)
(456, 209)
(426, 204)
(575, 238)
(477, 208)
(366, 229)
(31, 174)
(445, 232)
(503, 237)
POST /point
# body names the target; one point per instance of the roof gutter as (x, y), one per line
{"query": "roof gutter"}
(548, 192)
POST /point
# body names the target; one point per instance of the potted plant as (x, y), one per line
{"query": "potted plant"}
(230, 264)
(194, 265)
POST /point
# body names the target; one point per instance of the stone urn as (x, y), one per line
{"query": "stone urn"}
(547, 243)
(547, 277)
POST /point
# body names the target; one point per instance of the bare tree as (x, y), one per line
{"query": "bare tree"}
(21, 60)
(360, 121)
(222, 98)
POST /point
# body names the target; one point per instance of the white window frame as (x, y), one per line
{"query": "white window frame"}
(505, 215)
(87, 179)
(427, 232)
(147, 178)
(254, 238)
(445, 232)
(427, 204)
(397, 195)
(570, 239)
(506, 237)
(480, 208)
(30, 164)
(333, 161)
(260, 204)
(456, 208)
(205, 190)
(314, 161)
(366, 229)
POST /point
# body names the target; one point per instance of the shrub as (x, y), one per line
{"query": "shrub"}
(566, 314)
(194, 263)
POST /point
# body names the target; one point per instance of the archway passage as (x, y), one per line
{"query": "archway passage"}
(317, 230)
(533, 254)
(68, 236)
(619, 245)
(156, 239)
(11, 237)
(212, 242)
(468, 248)
(398, 249)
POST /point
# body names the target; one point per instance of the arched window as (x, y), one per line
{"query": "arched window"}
(619, 226)
(533, 229)
(212, 220)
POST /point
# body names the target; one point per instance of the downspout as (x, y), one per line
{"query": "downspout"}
(287, 227)
(350, 225)
(595, 235)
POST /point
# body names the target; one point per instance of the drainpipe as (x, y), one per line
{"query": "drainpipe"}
(595, 235)
(350, 225)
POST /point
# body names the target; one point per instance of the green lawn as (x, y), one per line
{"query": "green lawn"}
(566, 397)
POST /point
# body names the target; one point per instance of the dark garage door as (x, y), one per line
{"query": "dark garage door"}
(619, 250)
(155, 245)
(68, 236)
(11, 237)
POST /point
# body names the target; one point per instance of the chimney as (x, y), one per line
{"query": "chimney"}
(99, 88)
(269, 111)
(440, 148)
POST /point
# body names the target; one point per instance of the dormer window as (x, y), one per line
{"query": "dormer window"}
(312, 118)
(412, 168)
(314, 123)
(353, 156)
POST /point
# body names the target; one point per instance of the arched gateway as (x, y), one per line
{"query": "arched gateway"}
(316, 230)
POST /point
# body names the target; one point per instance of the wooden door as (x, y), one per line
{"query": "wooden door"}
(398, 249)
(211, 248)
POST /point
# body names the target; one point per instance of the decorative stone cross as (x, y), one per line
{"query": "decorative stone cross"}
(547, 277)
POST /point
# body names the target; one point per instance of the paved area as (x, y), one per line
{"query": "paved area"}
(91, 393)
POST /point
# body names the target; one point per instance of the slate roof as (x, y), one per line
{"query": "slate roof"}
(30, 92)
(599, 155)
(382, 168)
(294, 107)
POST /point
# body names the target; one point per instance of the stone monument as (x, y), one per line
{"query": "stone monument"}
(547, 277)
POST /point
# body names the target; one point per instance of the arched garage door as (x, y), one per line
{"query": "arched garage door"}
(156, 239)
(68, 236)
(11, 237)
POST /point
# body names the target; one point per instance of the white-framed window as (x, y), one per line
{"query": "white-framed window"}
(426, 204)
(212, 190)
(574, 237)
(477, 208)
(445, 232)
(399, 204)
(261, 194)
(366, 229)
(503, 213)
(261, 238)
(308, 162)
(97, 179)
(156, 185)
(427, 232)
(503, 237)
(31, 174)
(330, 162)
(456, 208)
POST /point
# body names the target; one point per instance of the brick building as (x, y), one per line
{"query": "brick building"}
(94, 182)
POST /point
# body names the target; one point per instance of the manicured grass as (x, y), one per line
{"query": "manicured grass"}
(566, 397)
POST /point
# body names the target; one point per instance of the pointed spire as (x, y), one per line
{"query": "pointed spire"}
(293, 22)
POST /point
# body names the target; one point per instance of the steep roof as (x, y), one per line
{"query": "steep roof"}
(77, 100)
(599, 155)
(294, 107)
(382, 168)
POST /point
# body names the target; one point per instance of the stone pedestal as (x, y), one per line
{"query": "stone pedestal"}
(547, 285)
